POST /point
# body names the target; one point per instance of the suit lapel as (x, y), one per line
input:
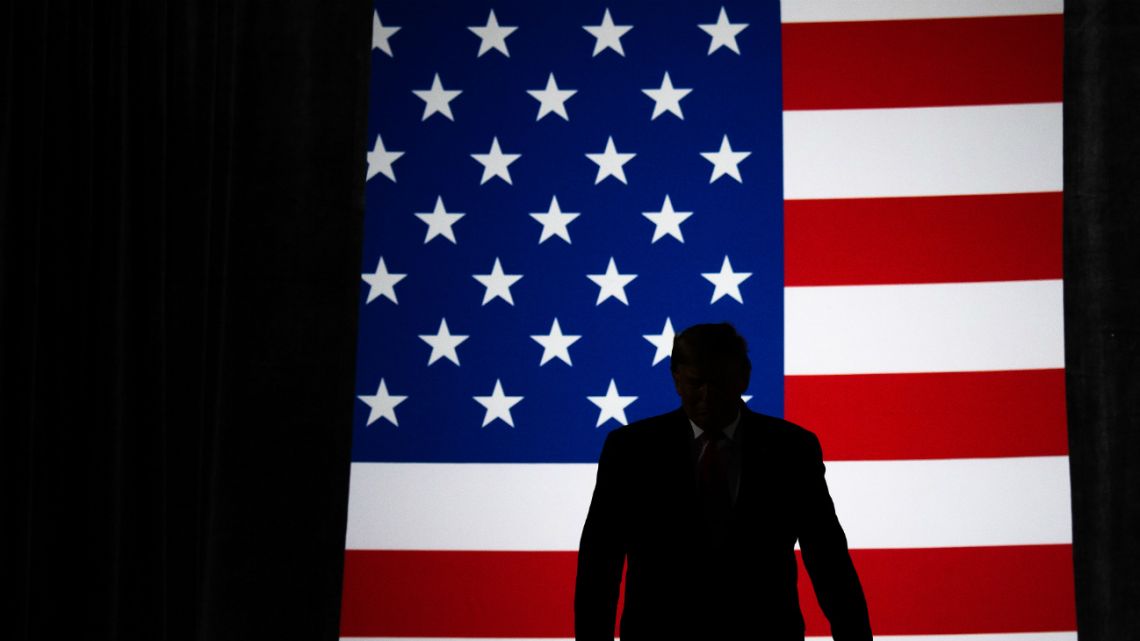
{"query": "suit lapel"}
(753, 484)
(682, 454)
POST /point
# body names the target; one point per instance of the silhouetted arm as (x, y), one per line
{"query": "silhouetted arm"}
(824, 548)
(601, 553)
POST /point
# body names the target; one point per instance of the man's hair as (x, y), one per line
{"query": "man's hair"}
(708, 343)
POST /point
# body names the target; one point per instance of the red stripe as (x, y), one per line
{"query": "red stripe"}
(871, 241)
(458, 594)
(530, 594)
(961, 590)
(932, 415)
(922, 63)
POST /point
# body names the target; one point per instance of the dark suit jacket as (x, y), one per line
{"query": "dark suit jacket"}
(685, 580)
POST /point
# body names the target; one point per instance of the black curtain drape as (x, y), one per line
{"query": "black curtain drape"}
(181, 190)
(182, 195)
(1102, 311)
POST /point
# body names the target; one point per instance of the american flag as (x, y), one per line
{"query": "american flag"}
(870, 191)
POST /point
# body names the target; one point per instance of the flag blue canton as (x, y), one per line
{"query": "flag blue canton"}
(500, 395)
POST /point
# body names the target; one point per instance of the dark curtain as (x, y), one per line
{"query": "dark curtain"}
(181, 191)
(1102, 311)
(182, 196)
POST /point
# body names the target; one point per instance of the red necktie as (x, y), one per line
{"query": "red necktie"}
(712, 473)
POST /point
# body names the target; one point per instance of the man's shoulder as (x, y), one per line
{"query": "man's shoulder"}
(652, 424)
(648, 439)
(775, 430)
(670, 423)
(674, 426)
(657, 427)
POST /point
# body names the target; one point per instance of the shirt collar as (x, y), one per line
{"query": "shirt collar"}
(729, 430)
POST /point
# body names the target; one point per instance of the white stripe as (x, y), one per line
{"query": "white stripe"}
(536, 507)
(955, 327)
(848, 10)
(930, 151)
(1017, 636)
(1013, 636)
(1008, 637)
(473, 506)
(953, 502)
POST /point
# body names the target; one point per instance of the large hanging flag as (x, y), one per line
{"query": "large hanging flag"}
(869, 191)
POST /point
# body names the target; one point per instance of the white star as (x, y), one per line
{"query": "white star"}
(443, 343)
(608, 35)
(492, 36)
(495, 162)
(611, 405)
(382, 283)
(746, 397)
(380, 160)
(498, 405)
(554, 222)
(552, 99)
(667, 221)
(437, 99)
(610, 162)
(723, 32)
(382, 404)
(666, 98)
(663, 342)
(611, 283)
(727, 282)
(725, 161)
(439, 221)
(497, 283)
(380, 35)
(555, 344)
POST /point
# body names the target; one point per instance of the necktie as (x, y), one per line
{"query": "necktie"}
(712, 475)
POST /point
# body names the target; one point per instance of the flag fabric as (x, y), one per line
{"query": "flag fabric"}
(869, 191)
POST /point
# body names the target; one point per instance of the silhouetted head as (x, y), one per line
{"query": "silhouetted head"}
(710, 371)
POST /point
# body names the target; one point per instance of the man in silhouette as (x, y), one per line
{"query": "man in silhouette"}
(704, 506)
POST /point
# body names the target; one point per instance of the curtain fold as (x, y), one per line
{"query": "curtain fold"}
(179, 268)
(1102, 311)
